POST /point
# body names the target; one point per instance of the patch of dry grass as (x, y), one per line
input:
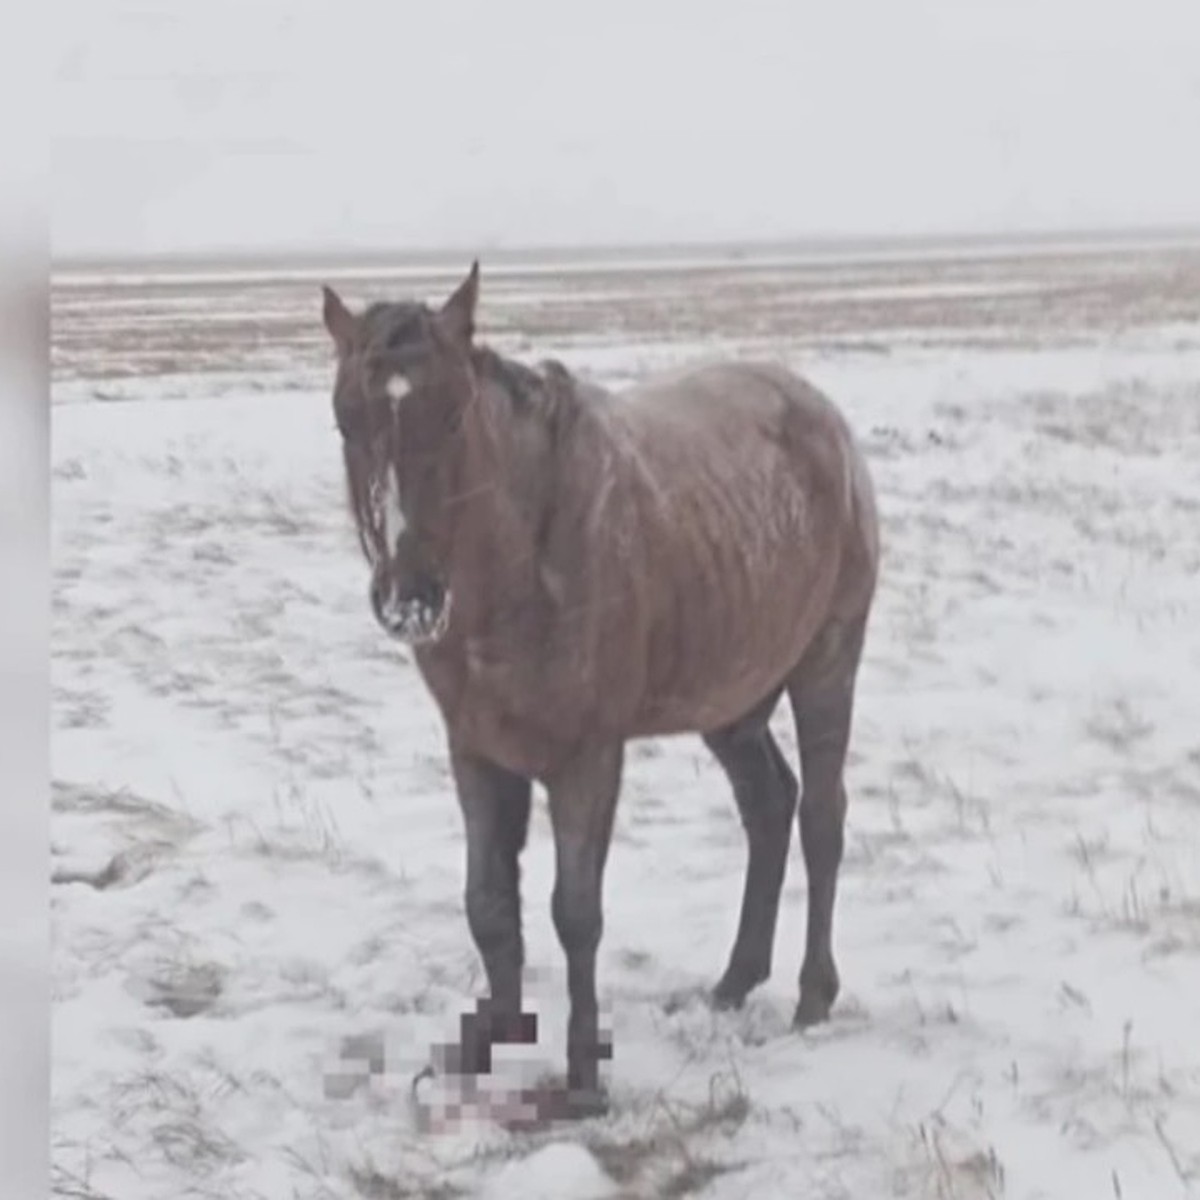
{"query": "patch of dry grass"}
(672, 1147)
(949, 1163)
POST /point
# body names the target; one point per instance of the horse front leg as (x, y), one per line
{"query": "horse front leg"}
(495, 805)
(583, 798)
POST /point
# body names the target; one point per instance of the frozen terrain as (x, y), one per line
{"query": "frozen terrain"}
(257, 852)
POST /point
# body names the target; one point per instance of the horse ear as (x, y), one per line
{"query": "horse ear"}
(457, 315)
(338, 319)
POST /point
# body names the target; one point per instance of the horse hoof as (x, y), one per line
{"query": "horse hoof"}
(535, 1109)
(582, 1105)
(573, 1104)
(813, 1009)
(735, 985)
(726, 997)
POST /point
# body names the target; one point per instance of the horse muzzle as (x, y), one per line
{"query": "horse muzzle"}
(417, 616)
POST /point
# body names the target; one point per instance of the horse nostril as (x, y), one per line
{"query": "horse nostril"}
(429, 592)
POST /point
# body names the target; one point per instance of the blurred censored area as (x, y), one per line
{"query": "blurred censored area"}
(24, 511)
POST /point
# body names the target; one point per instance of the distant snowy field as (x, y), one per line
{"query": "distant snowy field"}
(257, 852)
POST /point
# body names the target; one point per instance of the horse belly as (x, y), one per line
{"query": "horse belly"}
(726, 647)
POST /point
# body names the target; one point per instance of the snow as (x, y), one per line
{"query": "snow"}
(257, 910)
(559, 1169)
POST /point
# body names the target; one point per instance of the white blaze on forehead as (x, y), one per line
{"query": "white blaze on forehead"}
(397, 388)
(394, 523)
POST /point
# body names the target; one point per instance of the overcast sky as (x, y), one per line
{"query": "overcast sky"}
(266, 124)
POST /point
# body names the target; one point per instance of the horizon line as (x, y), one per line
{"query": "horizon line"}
(247, 256)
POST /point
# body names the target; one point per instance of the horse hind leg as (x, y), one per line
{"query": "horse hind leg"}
(822, 695)
(765, 790)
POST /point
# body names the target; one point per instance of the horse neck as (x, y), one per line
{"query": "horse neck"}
(495, 542)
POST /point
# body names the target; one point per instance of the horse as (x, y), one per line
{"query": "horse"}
(573, 569)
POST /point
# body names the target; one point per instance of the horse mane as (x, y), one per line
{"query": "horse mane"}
(523, 385)
(550, 396)
(547, 422)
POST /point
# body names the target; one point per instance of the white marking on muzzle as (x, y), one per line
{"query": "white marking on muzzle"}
(394, 523)
(413, 622)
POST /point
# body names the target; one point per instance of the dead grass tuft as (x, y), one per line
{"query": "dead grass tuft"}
(665, 1152)
(186, 989)
(1118, 726)
(948, 1167)
(111, 873)
(70, 1186)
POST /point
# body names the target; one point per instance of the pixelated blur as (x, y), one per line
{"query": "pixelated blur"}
(491, 1074)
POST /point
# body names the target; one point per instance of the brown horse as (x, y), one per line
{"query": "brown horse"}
(574, 570)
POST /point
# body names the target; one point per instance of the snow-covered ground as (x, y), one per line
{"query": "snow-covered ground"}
(256, 850)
